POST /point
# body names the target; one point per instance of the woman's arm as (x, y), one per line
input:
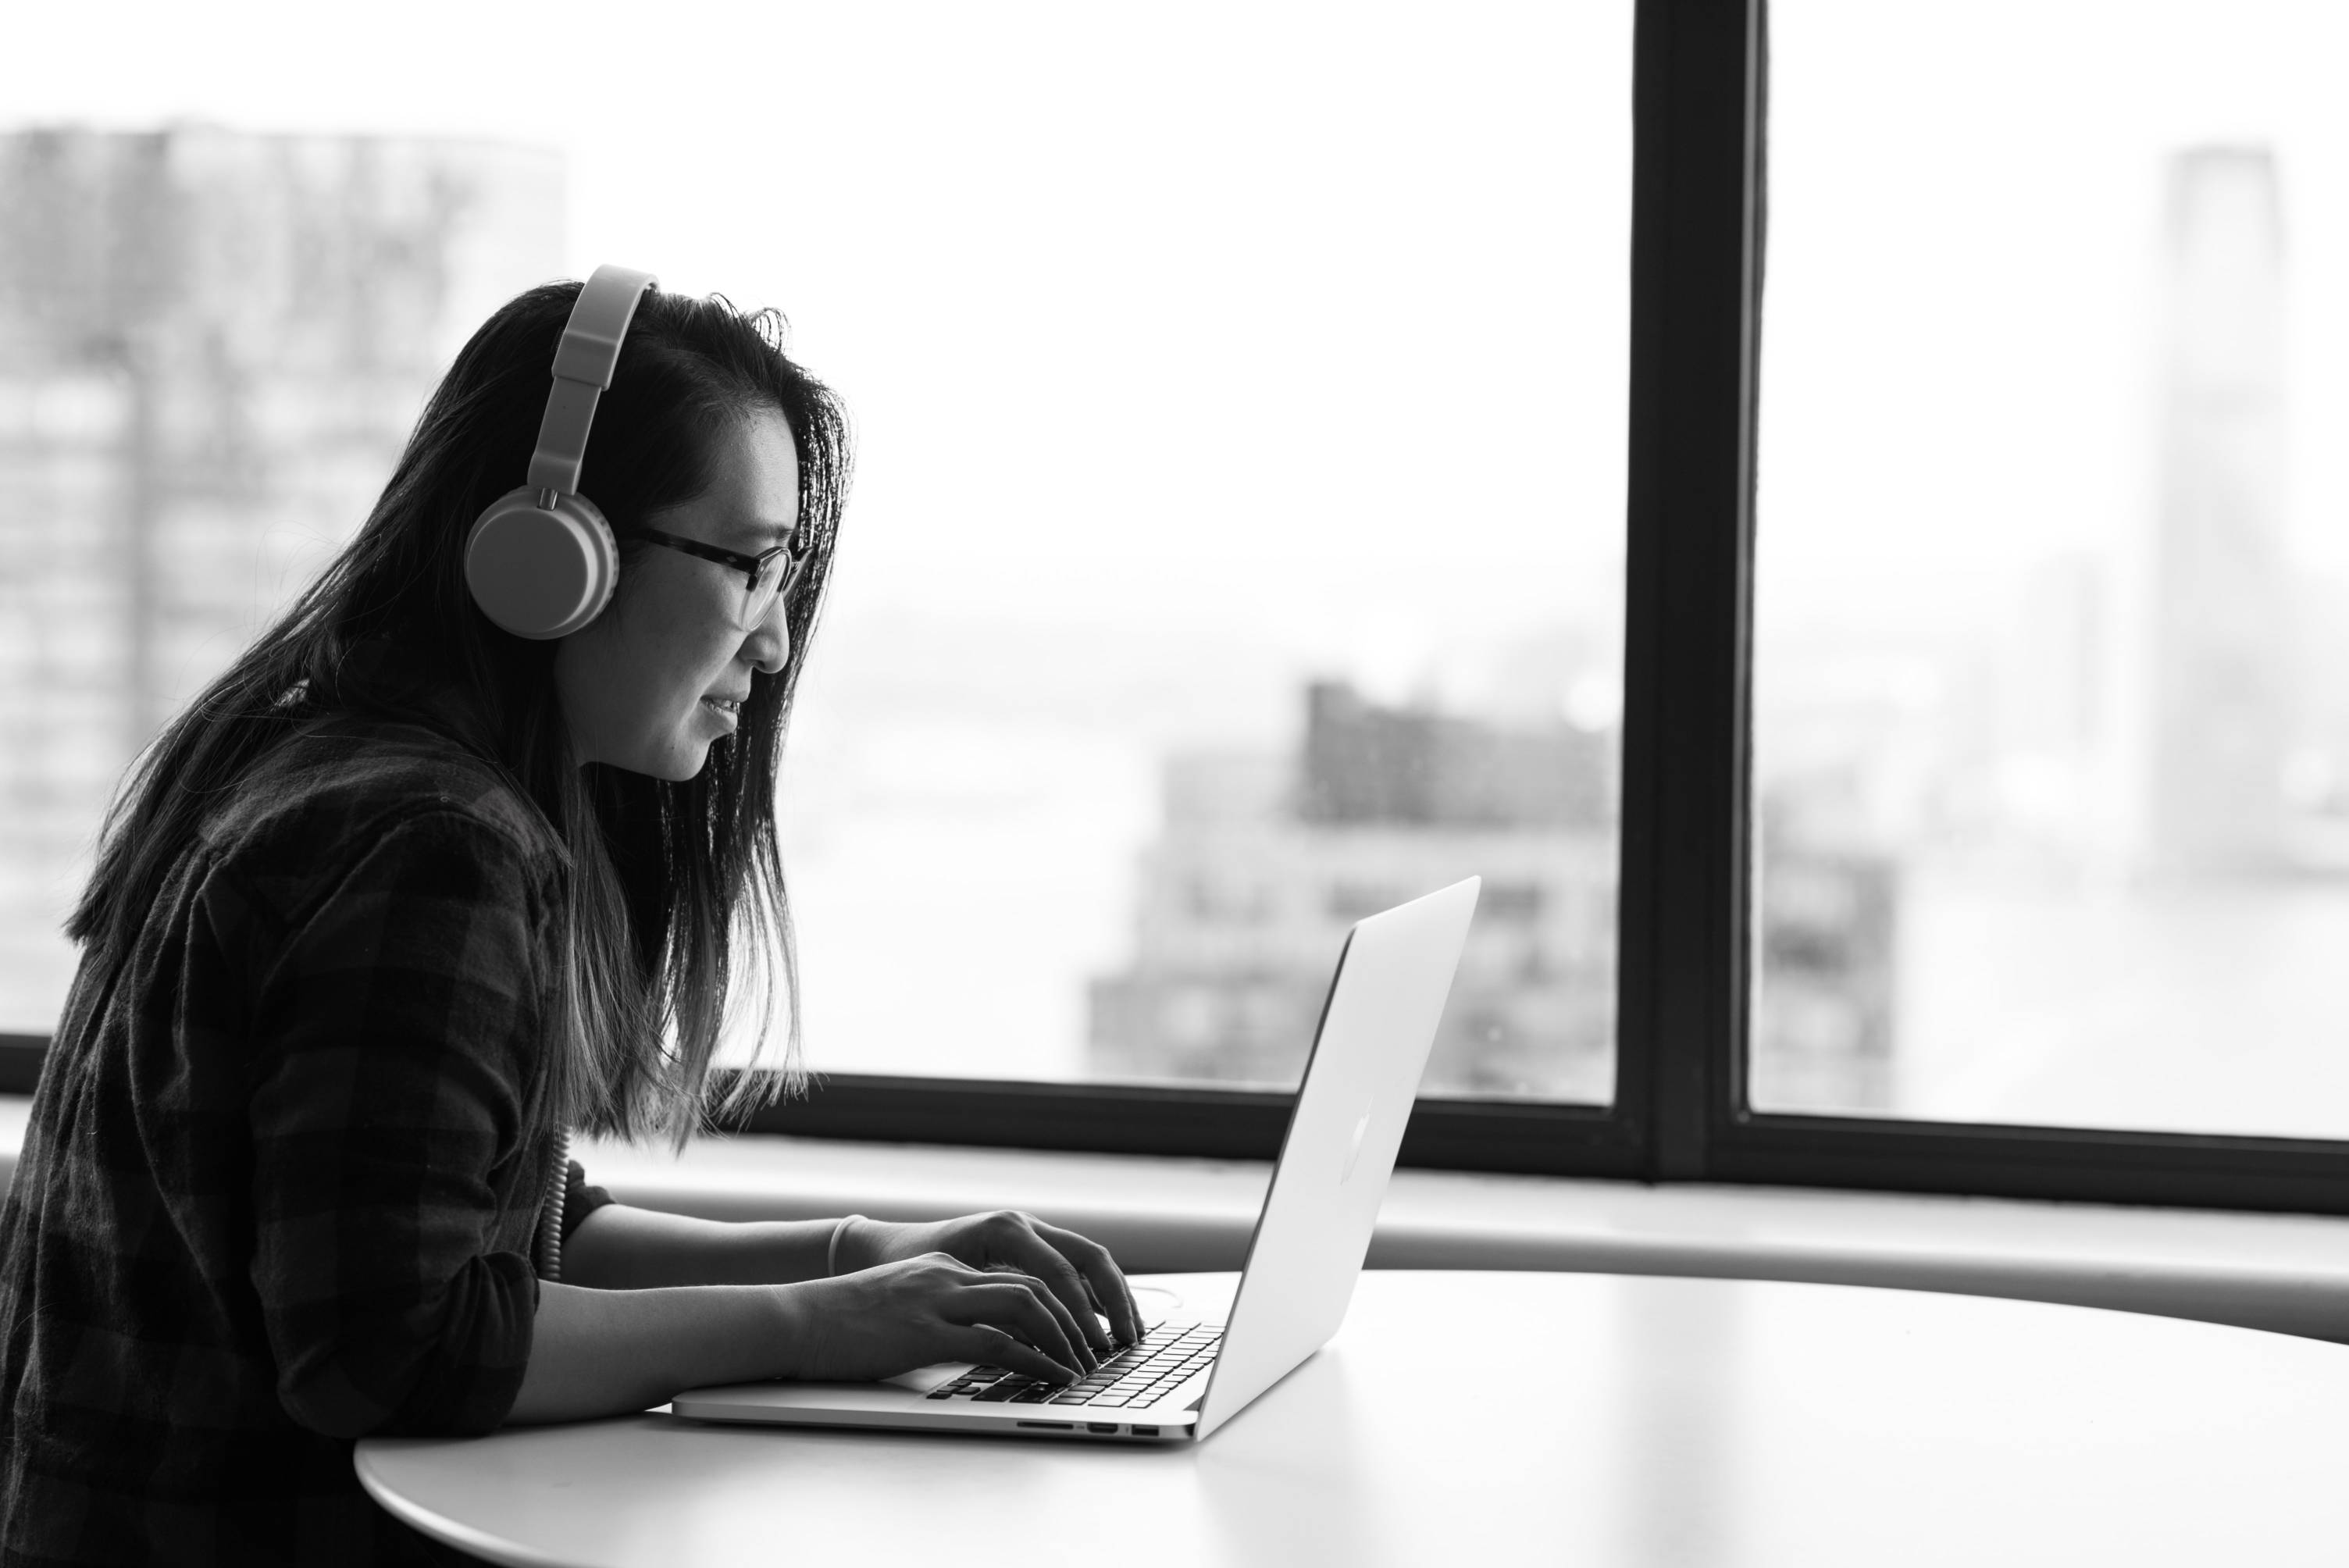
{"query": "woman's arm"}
(607, 1352)
(620, 1248)
(604, 1352)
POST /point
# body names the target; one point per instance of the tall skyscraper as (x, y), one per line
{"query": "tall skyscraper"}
(212, 345)
(2221, 655)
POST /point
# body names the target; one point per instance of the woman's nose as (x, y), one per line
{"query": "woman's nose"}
(768, 647)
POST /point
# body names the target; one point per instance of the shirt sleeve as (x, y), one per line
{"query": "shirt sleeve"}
(580, 1200)
(396, 1038)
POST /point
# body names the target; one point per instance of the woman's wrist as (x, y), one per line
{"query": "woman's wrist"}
(791, 1319)
(834, 1255)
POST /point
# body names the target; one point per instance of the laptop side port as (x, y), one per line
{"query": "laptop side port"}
(1108, 1427)
(1052, 1425)
(1145, 1431)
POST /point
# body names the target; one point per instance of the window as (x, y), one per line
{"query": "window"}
(1272, 357)
(2050, 690)
(1307, 453)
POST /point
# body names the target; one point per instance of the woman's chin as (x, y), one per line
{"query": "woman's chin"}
(678, 768)
(672, 764)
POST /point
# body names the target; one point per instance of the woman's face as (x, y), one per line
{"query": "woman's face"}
(647, 684)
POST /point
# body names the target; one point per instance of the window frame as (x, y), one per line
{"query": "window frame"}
(1684, 939)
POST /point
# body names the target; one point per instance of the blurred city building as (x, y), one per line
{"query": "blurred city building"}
(1827, 920)
(1264, 861)
(2223, 694)
(212, 345)
(2155, 702)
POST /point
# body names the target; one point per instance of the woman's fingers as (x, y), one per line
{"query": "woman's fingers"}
(1084, 1334)
(1079, 1272)
(1066, 1343)
(1102, 1274)
(985, 1342)
(1051, 1269)
(1023, 1306)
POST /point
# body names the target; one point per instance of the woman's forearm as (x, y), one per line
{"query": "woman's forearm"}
(620, 1248)
(608, 1352)
(652, 1304)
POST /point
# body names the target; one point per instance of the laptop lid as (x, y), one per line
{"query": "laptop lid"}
(1360, 1078)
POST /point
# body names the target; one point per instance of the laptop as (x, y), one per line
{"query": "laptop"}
(1186, 1378)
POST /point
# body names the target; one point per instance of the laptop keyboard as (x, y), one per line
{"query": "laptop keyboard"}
(1140, 1374)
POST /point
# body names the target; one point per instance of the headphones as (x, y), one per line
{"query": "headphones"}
(540, 559)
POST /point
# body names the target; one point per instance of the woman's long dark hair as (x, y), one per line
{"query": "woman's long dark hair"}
(675, 900)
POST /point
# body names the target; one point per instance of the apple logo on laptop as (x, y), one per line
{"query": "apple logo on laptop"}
(1354, 1150)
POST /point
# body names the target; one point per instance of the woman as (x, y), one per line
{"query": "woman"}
(396, 902)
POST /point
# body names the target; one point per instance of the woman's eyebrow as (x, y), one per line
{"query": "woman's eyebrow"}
(766, 531)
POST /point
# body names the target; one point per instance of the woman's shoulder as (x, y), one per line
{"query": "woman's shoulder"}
(345, 783)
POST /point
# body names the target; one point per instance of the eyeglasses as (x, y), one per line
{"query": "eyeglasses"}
(766, 576)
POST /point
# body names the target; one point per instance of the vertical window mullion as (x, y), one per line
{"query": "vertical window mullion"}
(1696, 266)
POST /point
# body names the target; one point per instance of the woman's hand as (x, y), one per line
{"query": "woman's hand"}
(1079, 1275)
(896, 1316)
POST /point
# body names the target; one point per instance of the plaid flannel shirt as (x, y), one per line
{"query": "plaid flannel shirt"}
(285, 1167)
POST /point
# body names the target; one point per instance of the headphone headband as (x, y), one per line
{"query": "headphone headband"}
(540, 560)
(584, 363)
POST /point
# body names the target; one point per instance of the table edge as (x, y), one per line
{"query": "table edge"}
(440, 1528)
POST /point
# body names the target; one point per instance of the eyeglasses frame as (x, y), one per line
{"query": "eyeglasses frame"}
(794, 549)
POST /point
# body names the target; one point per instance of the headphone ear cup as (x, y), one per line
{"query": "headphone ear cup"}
(538, 572)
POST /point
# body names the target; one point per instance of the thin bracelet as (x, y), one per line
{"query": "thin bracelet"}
(831, 1252)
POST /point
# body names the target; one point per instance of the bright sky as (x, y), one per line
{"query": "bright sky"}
(1960, 352)
(1312, 312)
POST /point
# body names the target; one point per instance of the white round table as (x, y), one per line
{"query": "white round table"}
(1494, 1418)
